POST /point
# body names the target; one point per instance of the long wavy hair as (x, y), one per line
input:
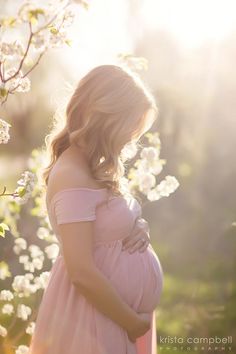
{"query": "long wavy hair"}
(109, 110)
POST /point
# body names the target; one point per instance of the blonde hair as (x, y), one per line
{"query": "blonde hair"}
(107, 111)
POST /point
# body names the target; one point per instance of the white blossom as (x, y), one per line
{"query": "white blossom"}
(4, 137)
(24, 258)
(146, 181)
(164, 188)
(20, 244)
(35, 251)
(22, 285)
(27, 179)
(23, 311)
(150, 161)
(37, 256)
(6, 295)
(26, 184)
(29, 276)
(22, 349)
(168, 185)
(153, 195)
(11, 72)
(58, 38)
(42, 280)
(154, 166)
(68, 18)
(149, 153)
(17, 82)
(11, 49)
(38, 263)
(7, 49)
(30, 329)
(52, 251)
(23, 85)
(42, 233)
(3, 331)
(39, 41)
(13, 78)
(4, 131)
(7, 309)
(156, 140)
(29, 266)
(12, 84)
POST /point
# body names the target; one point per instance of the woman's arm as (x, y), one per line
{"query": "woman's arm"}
(77, 249)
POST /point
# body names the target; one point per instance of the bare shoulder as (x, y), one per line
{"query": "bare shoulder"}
(69, 173)
(66, 175)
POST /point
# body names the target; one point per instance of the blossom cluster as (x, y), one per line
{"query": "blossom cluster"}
(4, 131)
(26, 185)
(143, 175)
(48, 24)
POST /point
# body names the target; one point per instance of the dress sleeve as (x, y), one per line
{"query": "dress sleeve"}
(73, 205)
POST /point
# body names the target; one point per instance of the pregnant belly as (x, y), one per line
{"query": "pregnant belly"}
(137, 277)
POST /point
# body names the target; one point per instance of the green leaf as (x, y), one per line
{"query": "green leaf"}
(83, 3)
(3, 228)
(4, 269)
(68, 42)
(21, 191)
(3, 92)
(8, 21)
(34, 14)
(53, 30)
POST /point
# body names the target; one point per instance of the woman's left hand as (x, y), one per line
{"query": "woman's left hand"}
(139, 238)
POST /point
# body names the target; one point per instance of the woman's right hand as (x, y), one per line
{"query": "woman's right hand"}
(143, 325)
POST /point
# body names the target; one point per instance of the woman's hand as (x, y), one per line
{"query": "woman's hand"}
(139, 238)
(142, 327)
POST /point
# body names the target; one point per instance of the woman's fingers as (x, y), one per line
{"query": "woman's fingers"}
(139, 240)
(136, 242)
(143, 247)
(139, 244)
(127, 242)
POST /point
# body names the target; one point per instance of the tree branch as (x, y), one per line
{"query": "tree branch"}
(24, 56)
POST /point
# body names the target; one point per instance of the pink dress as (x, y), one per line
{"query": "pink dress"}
(66, 322)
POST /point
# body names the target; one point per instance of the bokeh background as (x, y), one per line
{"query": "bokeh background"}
(190, 47)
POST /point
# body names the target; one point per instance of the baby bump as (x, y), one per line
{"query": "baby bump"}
(138, 277)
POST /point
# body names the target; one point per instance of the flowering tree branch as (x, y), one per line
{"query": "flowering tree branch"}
(47, 28)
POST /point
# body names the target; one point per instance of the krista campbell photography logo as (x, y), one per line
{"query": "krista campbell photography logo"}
(210, 344)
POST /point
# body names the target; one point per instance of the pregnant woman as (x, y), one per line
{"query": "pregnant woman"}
(100, 298)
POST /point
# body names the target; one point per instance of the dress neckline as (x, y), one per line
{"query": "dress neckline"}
(75, 188)
(50, 203)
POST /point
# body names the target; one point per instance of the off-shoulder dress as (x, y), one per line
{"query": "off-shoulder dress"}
(66, 322)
